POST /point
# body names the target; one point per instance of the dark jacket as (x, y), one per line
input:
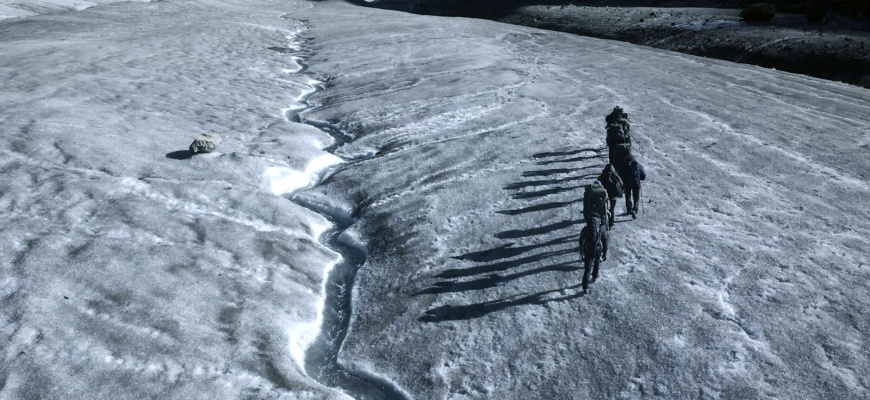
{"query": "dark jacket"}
(631, 173)
(611, 181)
(621, 119)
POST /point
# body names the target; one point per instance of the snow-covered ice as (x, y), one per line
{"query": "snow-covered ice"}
(130, 269)
(744, 277)
(27, 8)
(133, 270)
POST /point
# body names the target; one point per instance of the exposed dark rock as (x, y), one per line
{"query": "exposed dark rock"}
(761, 12)
(816, 16)
(865, 82)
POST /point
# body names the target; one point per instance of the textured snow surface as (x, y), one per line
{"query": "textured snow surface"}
(132, 270)
(26, 8)
(744, 277)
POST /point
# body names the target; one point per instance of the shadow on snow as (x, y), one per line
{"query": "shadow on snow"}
(493, 280)
(575, 159)
(520, 233)
(505, 263)
(540, 207)
(179, 155)
(567, 152)
(547, 182)
(455, 313)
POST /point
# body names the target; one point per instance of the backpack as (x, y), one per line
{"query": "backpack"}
(624, 121)
(618, 116)
(617, 134)
(590, 243)
(595, 202)
(611, 181)
(618, 154)
(632, 174)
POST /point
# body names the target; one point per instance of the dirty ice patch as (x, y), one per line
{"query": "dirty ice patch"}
(282, 180)
(708, 25)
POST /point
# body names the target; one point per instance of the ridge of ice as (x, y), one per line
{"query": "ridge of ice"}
(283, 180)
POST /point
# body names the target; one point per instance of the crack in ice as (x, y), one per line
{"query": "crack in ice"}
(316, 343)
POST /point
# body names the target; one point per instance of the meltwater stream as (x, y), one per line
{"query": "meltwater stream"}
(321, 358)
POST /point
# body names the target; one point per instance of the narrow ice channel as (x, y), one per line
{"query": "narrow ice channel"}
(319, 355)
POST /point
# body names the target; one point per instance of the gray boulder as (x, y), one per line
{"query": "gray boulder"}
(760, 12)
(205, 143)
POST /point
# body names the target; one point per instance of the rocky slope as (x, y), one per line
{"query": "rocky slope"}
(830, 40)
(837, 50)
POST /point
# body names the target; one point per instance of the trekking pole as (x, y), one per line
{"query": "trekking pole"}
(640, 191)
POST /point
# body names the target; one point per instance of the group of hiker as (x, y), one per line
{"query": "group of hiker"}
(621, 177)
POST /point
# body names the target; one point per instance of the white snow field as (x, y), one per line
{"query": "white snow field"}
(26, 8)
(132, 270)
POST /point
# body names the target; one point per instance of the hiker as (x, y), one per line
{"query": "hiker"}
(593, 237)
(631, 173)
(611, 181)
(618, 115)
(618, 153)
(594, 248)
(595, 203)
(618, 135)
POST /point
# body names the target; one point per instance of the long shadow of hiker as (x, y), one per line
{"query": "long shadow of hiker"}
(455, 313)
(567, 152)
(502, 264)
(574, 159)
(539, 207)
(505, 265)
(521, 233)
(493, 280)
(509, 250)
(546, 182)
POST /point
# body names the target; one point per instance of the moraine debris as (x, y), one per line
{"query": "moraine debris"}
(205, 143)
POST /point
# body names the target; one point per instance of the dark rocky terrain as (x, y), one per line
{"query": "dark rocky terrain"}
(825, 39)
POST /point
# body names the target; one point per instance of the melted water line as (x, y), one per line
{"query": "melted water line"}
(321, 357)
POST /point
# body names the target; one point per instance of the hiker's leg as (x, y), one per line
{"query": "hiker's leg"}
(595, 267)
(612, 210)
(587, 269)
(628, 198)
(636, 193)
(595, 225)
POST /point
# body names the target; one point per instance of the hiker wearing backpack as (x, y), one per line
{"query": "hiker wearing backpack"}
(618, 135)
(611, 181)
(632, 173)
(618, 115)
(595, 203)
(593, 237)
(619, 147)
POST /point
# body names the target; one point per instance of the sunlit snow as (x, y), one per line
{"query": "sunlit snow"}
(133, 269)
(283, 180)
